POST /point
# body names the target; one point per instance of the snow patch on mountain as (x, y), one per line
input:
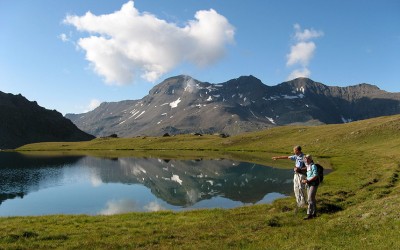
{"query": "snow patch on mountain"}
(292, 96)
(175, 103)
(140, 114)
(176, 179)
(346, 120)
(270, 119)
(301, 89)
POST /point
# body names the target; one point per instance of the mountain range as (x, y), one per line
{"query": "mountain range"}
(182, 104)
(23, 122)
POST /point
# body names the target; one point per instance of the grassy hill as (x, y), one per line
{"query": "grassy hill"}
(359, 202)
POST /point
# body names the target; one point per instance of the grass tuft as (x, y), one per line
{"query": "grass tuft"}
(273, 222)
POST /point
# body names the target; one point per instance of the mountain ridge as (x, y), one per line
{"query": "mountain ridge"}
(182, 104)
(24, 121)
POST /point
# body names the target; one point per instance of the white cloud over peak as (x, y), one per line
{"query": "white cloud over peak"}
(302, 51)
(299, 73)
(127, 43)
(94, 103)
(306, 34)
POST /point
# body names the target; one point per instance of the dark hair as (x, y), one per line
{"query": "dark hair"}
(298, 147)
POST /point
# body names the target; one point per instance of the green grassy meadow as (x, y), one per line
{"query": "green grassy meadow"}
(358, 203)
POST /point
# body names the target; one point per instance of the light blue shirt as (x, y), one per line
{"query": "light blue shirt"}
(298, 159)
(311, 171)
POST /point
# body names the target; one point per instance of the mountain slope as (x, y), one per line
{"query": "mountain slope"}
(182, 104)
(25, 122)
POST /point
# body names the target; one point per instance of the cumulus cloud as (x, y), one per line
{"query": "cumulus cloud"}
(304, 72)
(94, 103)
(302, 51)
(306, 34)
(119, 206)
(63, 37)
(190, 85)
(153, 206)
(127, 43)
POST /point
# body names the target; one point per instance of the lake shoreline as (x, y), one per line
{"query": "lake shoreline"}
(361, 213)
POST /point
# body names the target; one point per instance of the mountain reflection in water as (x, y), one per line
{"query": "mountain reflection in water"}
(173, 184)
(183, 183)
(21, 174)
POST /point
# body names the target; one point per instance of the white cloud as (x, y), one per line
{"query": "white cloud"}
(302, 51)
(96, 181)
(306, 34)
(126, 44)
(190, 85)
(118, 207)
(63, 37)
(299, 73)
(153, 207)
(94, 103)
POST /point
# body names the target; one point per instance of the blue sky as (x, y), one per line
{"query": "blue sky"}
(58, 54)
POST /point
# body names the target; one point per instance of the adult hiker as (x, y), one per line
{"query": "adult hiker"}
(299, 174)
(312, 182)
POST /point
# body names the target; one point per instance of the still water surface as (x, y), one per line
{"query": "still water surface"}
(41, 185)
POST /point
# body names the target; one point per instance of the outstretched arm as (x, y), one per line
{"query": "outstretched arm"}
(279, 157)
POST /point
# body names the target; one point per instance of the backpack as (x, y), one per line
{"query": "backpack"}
(320, 171)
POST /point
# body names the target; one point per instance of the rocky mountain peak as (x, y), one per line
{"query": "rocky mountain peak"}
(173, 85)
(303, 84)
(245, 82)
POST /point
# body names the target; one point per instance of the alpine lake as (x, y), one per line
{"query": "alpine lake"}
(67, 184)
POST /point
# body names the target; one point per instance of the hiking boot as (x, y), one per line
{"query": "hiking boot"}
(308, 217)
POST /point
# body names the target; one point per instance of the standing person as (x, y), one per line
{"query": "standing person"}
(312, 182)
(299, 174)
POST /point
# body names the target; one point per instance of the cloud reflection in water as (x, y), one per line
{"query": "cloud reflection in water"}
(119, 206)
